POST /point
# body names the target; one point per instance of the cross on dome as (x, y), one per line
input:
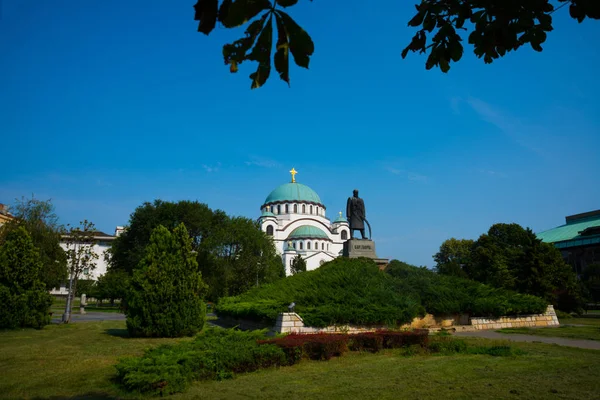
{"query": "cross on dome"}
(293, 172)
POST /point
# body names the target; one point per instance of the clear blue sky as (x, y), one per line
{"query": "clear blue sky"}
(107, 104)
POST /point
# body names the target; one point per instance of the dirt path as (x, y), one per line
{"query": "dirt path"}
(583, 344)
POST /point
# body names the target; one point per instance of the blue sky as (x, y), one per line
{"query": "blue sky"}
(107, 104)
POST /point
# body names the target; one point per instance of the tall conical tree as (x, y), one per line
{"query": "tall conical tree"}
(166, 293)
(23, 296)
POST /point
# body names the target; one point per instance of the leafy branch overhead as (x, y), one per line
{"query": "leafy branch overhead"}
(496, 27)
(257, 43)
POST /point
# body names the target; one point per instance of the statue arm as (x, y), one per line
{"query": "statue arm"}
(348, 208)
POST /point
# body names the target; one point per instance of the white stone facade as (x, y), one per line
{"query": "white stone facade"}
(299, 226)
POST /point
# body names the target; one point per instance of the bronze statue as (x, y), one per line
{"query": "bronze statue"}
(355, 212)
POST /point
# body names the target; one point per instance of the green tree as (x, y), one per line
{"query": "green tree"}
(81, 258)
(233, 254)
(298, 265)
(590, 280)
(39, 219)
(23, 296)
(496, 27)
(166, 292)
(454, 257)
(511, 257)
(112, 285)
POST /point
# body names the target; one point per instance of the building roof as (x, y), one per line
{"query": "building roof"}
(579, 230)
(293, 191)
(308, 232)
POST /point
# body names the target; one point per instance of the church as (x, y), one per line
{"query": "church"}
(294, 216)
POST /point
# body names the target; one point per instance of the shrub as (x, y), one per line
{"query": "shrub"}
(23, 296)
(214, 354)
(320, 346)
(165, 297)
(397, 339)
(366, 342)
(343, 291)
(563, 315)
(447, 345)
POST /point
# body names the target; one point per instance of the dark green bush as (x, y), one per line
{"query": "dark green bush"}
(213, 355)
(24, 299)
(443, 294)
(366, 342)
(319, 346)
(166, 291)
(339, 292)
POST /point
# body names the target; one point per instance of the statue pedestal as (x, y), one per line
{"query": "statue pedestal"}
(355, 248)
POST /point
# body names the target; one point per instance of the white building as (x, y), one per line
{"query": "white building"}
(102, 242)
(294, 216)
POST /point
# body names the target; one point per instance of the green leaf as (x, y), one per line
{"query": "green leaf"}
(301, 44)
(235, 53)
(206, 13)
(456, 51)
(241, 11)
(286, 3)
(224, 10)
(418, 18)
(262, 53)
(282, 51)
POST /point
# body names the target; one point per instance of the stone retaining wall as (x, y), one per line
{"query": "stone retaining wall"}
(292, 322)
(548, 318)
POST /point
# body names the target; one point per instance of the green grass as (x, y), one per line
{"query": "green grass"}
(76, 360)
(570, 332)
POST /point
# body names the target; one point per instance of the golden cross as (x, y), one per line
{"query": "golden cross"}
(293, 172)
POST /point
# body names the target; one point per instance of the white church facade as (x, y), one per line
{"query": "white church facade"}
(294, 216)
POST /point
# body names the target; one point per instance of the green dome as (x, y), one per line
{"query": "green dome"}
(307, 231)
(293, 192)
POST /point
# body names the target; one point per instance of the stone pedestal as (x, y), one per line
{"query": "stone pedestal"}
(355, 248)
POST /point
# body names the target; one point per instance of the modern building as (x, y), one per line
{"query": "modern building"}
(294, 215)
(102, 242)
(578, 239)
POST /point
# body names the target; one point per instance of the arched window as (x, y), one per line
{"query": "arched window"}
(295, 208)
(294, 245)
(301, 245)
(287, 210)
(278, 209)
(270, 230)
(303, 208)
(344, 235)
(316, 246)
(323, 246)
(311, 209)
(307, 245)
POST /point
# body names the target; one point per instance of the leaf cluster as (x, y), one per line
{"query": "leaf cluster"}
(259, 37)
(214, 354)
(511, 257)
(165, 297)
(23, 296)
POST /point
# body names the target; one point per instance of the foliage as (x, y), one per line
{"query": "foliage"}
(511, 257)
(442, 294)
(112, 285)
(563, 315)
(81, 257)
(233, 254)
(453, 257)
(496, 27)
(87, 287)
(23, 296)
(298, 265)
(166, 291)
(213, 355)
(316, 346)
(339, 292)
(40, 221)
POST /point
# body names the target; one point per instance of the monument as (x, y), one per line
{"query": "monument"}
(357, 218)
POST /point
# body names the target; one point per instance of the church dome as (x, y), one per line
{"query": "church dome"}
(293, 192)
(308, 232)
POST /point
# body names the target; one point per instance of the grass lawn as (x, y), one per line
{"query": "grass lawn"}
(77, 360)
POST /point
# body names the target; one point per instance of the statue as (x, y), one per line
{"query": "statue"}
(355, 212)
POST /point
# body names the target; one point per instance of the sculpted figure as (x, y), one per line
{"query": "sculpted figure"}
(355, 213)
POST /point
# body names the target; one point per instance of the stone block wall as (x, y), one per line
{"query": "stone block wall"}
(292, 322)
(548, 318)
